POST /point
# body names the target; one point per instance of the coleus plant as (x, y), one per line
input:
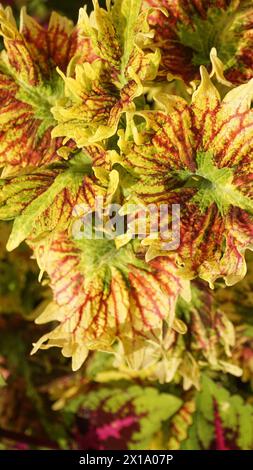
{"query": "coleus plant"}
(186, 32)
(80, 121)
(108, 405)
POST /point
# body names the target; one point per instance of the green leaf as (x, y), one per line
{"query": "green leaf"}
(245, 435)
(192, 441)
(2, 381)
(204, 431)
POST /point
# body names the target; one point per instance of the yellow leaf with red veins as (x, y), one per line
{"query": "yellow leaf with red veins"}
(30, 85)
(103, 294)
(104, 89)
(198, 156)
(42, 201)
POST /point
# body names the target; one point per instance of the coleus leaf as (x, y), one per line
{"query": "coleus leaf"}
(242, 352)
(180, 423)
(144, 409)
(199, 156)
(202, 336)
(118, 25)
(237, 303)
(210, 333)
(102, 90)
(29, 85)
(190, 30)
(103, 294)
(43, 200)
(216, 407)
